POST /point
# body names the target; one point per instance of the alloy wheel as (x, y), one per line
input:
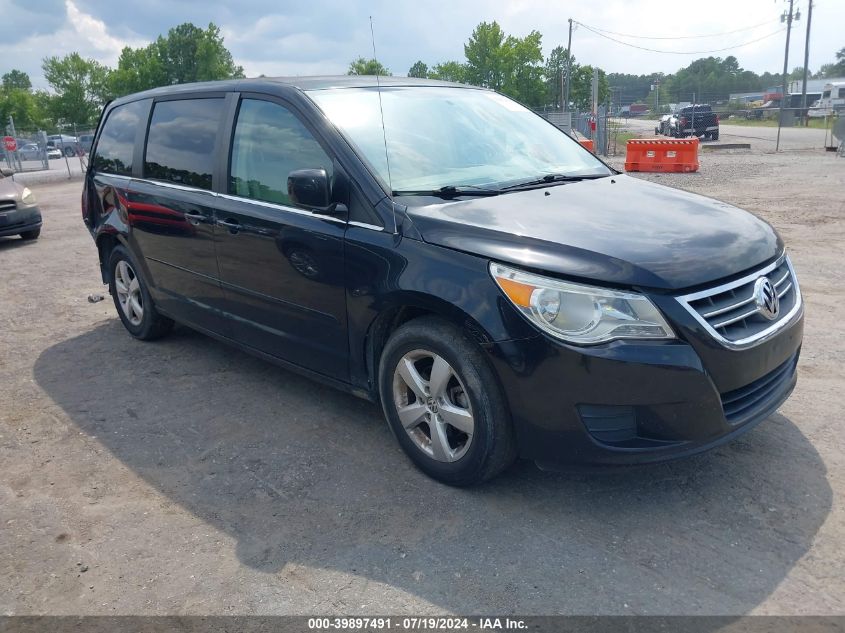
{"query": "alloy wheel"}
(129, 296)
(433, 405)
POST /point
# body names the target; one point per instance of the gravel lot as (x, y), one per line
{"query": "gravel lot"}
(184, 477)
(761, 138)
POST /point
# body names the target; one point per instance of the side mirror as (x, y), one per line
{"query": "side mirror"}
(5, 172)
(310, 188)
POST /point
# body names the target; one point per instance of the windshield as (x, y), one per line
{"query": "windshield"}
(452, 137)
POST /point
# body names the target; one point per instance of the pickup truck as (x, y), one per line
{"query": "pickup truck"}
(696, 120)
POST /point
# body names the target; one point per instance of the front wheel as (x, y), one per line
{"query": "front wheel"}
(31, 235)
(444, 404)
(132, 299)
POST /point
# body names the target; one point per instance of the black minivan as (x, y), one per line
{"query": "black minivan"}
(445, 251)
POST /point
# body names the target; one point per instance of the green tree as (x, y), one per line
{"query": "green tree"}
(190, 53)
(26, 108)
(137, 69)
(485, 56)
(449, 71)
(835, 70)
(18, 101)
(553, 75)
(80, 87)
(363, 66)
(522, 69)
(419, 69)
(186, 54)
(16, 80)
(581, 92)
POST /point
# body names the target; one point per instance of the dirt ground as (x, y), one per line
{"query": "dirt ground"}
(185, 477)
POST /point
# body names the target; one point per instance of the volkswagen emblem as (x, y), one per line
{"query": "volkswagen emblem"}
(766, 298)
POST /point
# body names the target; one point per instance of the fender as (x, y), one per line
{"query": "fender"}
(391, 279)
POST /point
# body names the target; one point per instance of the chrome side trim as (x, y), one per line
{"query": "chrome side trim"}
(364, 225)
(261, 203)
(280, 207)
(761, 336)
(173, 185)
(118, 176)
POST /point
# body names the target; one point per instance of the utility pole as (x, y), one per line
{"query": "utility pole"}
(806, 61)
(656, 87)
(568, 68)
(788, 19)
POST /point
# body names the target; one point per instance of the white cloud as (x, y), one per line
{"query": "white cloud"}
(92, 32)
(323, 36)
(80, 32)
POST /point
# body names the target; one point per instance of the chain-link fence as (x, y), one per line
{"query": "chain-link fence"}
(64, 148)
(585, 125)
(612, 126)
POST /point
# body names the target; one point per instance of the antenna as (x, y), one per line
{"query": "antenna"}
(381, 112)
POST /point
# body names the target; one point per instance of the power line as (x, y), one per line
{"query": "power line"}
(677, 37)
(655, 50)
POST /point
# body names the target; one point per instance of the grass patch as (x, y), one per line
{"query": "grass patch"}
(816, 124)
(618, 140)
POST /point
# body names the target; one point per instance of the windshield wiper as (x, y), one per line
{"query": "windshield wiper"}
(549, 179)
(450, 191)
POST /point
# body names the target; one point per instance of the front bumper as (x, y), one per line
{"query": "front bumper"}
(636, 402)
(20, 220)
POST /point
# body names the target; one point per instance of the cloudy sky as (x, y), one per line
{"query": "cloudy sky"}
(321, 36)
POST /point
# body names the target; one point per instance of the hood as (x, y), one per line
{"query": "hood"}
(10, 190)
(617, 230)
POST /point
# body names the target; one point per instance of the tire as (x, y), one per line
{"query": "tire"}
(714, 136)
(132, 299)
(69, 152)
(31, 235)
(470, 397)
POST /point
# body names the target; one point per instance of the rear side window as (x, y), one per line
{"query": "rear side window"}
(269, 143)
(180, 144)
(117, 139)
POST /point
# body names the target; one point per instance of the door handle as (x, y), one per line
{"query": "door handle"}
(233, 225)
(196, 217)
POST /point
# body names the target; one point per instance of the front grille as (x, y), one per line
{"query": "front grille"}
(730, 312)
(745, 403)
(7, 205)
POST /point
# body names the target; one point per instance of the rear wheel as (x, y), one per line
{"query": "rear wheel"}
(132, 299)
(443, 403)
(714, 136)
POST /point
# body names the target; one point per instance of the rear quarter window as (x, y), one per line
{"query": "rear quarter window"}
(116, 145)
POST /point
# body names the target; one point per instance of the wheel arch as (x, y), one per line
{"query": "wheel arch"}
(401, 309)
(106, 242)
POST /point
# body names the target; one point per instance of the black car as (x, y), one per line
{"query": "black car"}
(443, 250)
(695, 120)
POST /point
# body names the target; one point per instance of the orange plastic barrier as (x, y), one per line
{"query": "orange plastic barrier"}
(669, 155)
(588, 143)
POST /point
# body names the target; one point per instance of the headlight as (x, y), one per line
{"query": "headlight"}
(578, 313)
(27, 197)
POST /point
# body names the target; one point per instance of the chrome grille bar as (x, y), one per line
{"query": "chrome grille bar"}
(728, 312)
